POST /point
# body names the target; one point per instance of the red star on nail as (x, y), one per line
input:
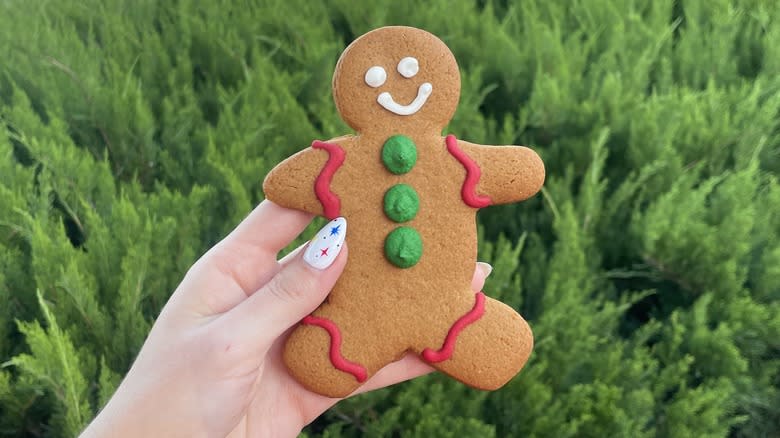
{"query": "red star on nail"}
(324, 251)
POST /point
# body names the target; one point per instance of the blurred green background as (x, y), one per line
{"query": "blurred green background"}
(134, 134)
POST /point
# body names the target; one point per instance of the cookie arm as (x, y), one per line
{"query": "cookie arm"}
(506, 173)
(291, 184)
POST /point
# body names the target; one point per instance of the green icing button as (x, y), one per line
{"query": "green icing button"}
(399, 154)
(403, 247)
(401, 203)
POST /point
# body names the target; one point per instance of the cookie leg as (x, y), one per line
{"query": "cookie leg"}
(329, 357)
(485, 347)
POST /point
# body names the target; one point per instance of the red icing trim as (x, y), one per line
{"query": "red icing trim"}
(331, 204)
(338, 361)
(473, 172)
(445, 352)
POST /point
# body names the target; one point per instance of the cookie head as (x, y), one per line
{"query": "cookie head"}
(399, 77)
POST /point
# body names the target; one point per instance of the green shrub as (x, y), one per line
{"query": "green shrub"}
(134, 134)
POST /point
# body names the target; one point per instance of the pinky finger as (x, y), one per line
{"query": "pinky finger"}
(409, 367)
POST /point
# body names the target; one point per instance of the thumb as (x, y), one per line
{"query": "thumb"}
(306, 278)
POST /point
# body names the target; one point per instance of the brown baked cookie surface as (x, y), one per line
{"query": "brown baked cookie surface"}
(410, 197)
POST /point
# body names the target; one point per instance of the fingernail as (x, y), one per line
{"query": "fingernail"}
(486, 268)
(326, 245)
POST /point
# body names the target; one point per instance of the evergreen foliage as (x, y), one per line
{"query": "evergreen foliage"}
(135, 133)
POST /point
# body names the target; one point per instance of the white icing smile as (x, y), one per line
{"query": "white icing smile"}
(388, 103)
(407, 67)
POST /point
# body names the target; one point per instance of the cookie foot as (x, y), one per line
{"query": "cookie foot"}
(313, 355)
(492, 345)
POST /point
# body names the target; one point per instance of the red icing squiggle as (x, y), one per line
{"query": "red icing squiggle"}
(445, 352)
(469, 189)
(338, 361)
(331, 204)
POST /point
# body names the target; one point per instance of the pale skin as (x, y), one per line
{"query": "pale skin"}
(212, 363)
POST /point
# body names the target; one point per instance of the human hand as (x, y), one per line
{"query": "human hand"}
(212, 364)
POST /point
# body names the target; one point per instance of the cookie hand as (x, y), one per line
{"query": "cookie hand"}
(507, 173)
(303, 181)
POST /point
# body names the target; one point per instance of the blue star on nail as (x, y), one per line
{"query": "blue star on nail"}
(335, 230)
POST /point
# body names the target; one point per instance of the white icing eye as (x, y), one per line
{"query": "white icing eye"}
(408, 67)
(376, 76)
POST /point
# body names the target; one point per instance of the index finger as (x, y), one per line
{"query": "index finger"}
(248, 254)
(243, 261)
(268, 228)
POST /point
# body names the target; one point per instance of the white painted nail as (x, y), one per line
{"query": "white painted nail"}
(486, 268)
(327, 244)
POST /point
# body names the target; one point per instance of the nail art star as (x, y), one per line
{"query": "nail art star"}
(335, 230)
(324, 251)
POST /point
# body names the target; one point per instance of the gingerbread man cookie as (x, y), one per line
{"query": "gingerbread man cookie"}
(409, 197)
